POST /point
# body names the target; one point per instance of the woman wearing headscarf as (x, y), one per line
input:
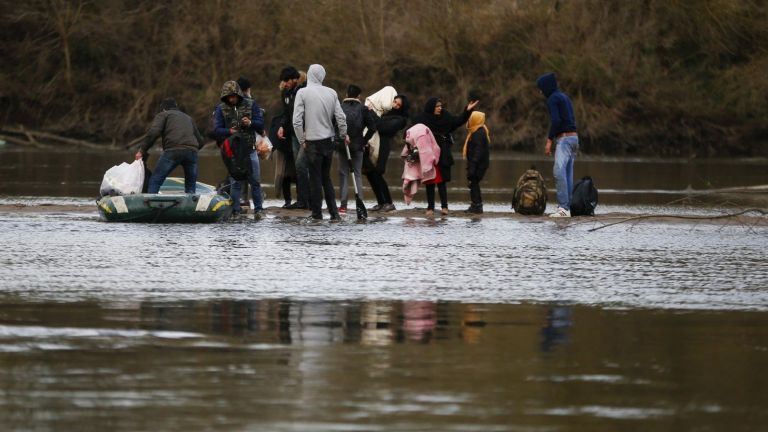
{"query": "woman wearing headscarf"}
(476, 153)
(392, 110)
(442, 123)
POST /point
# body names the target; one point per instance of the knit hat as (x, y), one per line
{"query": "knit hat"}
(289, 72)
(243, 83)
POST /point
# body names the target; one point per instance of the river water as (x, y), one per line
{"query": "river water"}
(397, 324)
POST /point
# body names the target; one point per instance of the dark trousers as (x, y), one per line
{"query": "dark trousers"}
(442, 188)
(380, 187)
(319, 157)
(474, 192)
(286, 190)
(302, 175)
(375, 173)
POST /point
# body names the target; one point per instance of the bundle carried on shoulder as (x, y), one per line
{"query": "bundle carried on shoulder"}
(584, 197)
(530, 194)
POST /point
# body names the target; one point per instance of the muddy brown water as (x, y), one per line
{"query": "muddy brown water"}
(399, 324)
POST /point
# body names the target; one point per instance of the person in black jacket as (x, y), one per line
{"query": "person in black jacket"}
(442, 123)
(359, 119)
(289, 84)
(476, 153)
(388, 126)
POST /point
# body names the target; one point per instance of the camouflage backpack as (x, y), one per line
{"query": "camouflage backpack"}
(530, 194)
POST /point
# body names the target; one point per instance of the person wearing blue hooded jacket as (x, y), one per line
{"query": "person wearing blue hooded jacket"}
(563, 133)
(237, 114)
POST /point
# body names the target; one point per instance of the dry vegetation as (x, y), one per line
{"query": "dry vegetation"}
(663, 77)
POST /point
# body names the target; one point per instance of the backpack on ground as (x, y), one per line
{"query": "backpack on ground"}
(584, 198)
(236, 156)
(530, 194)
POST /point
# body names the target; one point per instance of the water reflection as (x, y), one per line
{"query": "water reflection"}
(555, 331)
(371, 323)
(282, 365)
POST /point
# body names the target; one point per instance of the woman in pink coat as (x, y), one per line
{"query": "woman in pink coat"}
(421, 155)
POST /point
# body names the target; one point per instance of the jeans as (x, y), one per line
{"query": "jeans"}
(168, 161)
(319, 157)
(254, 179)
(565, 154)
(357, 165)
(302, 172)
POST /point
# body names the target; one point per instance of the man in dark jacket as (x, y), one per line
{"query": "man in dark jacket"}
(289, 83)
(239, 118)
(563, 132)
(359, 117)
(181, 141)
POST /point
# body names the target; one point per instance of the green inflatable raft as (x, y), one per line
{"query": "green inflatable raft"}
(171, 205)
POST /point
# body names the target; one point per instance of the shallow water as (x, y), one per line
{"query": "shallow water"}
(400, 323)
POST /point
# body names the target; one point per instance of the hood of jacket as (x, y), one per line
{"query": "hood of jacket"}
(231, 88)
(429, 107)
(547, 83)
(315, 74)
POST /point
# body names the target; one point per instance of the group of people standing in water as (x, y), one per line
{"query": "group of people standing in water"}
(314, 124)
(372, 125)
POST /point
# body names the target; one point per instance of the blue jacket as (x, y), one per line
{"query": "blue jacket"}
(559, 106)
(222, 130)
(227, 116)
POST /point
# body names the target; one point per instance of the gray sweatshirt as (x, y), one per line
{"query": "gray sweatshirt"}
(315, 108)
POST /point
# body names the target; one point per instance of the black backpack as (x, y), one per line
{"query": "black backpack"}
(584, 198)
(355, 123)
(530, 194)
(236, 156)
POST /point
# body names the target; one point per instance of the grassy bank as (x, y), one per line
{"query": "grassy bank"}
(669, 78)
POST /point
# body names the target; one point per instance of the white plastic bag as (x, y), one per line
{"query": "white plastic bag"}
(123, 179)
(263, 146)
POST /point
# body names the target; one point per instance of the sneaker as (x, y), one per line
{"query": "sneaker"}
(429, 213)
(375, 208)
(388, 207)
(335, 217)
(343, 210)
(259, 214)
(444, 211)
(561, 212)
(287, 205)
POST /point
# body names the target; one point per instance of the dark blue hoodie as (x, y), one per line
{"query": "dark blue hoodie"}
(559, 106)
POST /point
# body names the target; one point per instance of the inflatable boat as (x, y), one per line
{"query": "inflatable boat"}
(171, 205)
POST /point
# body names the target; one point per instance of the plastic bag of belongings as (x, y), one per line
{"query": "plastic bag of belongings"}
(123, 179)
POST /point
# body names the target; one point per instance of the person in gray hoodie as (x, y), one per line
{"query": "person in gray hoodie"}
(315, 109)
